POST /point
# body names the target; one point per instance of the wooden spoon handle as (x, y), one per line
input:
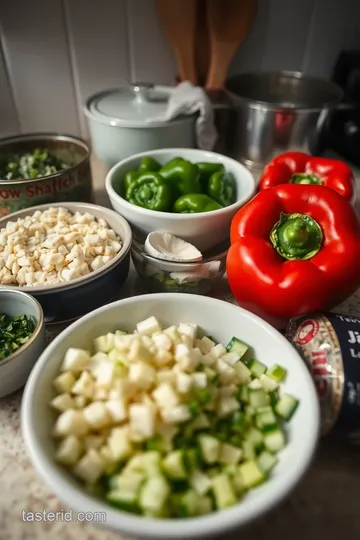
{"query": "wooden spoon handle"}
(178, 18)
(229, 22)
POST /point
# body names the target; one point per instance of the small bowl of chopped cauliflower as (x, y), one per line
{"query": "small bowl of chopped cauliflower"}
(72, 257)
(171, 416)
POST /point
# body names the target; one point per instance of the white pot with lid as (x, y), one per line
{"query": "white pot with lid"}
(127, 120)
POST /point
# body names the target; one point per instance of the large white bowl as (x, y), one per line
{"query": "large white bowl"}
(204, 230)
(215, 317)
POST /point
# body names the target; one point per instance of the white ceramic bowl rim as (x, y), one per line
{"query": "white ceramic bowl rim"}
(166, 529)
(191, 152)
(40, 322)
(82, 207)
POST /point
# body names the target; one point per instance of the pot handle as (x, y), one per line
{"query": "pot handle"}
(141, 90)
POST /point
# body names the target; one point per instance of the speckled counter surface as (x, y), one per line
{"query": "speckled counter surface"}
(324, 506)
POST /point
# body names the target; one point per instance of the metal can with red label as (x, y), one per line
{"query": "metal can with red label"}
(330, 345)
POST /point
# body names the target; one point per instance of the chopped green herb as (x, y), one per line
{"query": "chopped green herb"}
(14, 332)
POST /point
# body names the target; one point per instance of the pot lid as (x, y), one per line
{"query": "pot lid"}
(137, 105)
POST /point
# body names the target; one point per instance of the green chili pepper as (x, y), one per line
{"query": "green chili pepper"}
(148, 164)
(194, 203)
(222, 188)
(207, 170)
(150, 191)
(183, 175)
(129, 178)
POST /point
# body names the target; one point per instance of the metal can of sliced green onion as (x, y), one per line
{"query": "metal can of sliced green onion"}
(330, 345)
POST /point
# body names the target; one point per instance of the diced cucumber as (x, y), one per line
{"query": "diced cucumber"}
(200, 422)
(204, 505)
(258, 398)
(124, 500)
(229, 454)
(186, 504)
(237, 481)
(223, 491)
(121, 333)
(127, 482)
(254, 436)
(248, 450)
(274, 440)
(146, 462)
(154, 494)
(255, 384)
(265, 417)
(242, 393)
(243, 373)
(286, 406)
(274, 398)
(266, 461)
(277, 372)
(257, 368)
(249, 412)
(238, 422)
(268, 383)
(210, 448)
(174, 465)
(211, 374)
(238, 346)
(251, 474)
(193, 458)
(200, 482)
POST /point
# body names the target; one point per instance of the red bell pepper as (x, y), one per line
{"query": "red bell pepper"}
(300, 168)
(294, 249)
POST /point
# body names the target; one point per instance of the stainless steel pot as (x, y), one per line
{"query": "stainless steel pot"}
(276, 112)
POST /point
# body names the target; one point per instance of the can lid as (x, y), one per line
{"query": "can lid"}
(137, 105)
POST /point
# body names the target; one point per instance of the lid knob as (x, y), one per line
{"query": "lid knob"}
(141, 90)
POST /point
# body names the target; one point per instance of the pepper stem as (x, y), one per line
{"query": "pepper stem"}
(296, 237)
(303, 178)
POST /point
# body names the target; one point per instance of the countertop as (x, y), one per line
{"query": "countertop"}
(324, 505)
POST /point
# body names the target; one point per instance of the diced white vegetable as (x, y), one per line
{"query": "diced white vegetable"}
(207, 345)
(120, 358)
(142, 375)
(218, 351)
(184, 382)
(165, 396)
(231, 358)
(226, 372)
(173, 334)
(117, 409)
(90, 467)
(93, 441)
(69, 451)
(162, 358)
(84, 386)
(199, 379)
(255, 384)
(71, 422)
(122, 389)
(226, 391)
(162, 342)
(181, 350)
(176, 415)
(119, 443)
(139, 353)
(189, 330)
(142, 422)
(243, 373)
(101, 394)
(226, 406)
(105, 374)
(64, 382)
(207, 359)
(104, 343)
(62, 402)
(75, 360)
(149, 326)
(166, 376)
(80, 402)
(96, 415)
(122, 343)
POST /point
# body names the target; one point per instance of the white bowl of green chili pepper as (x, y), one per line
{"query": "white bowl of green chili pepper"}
(192, 194)
(22, 338)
